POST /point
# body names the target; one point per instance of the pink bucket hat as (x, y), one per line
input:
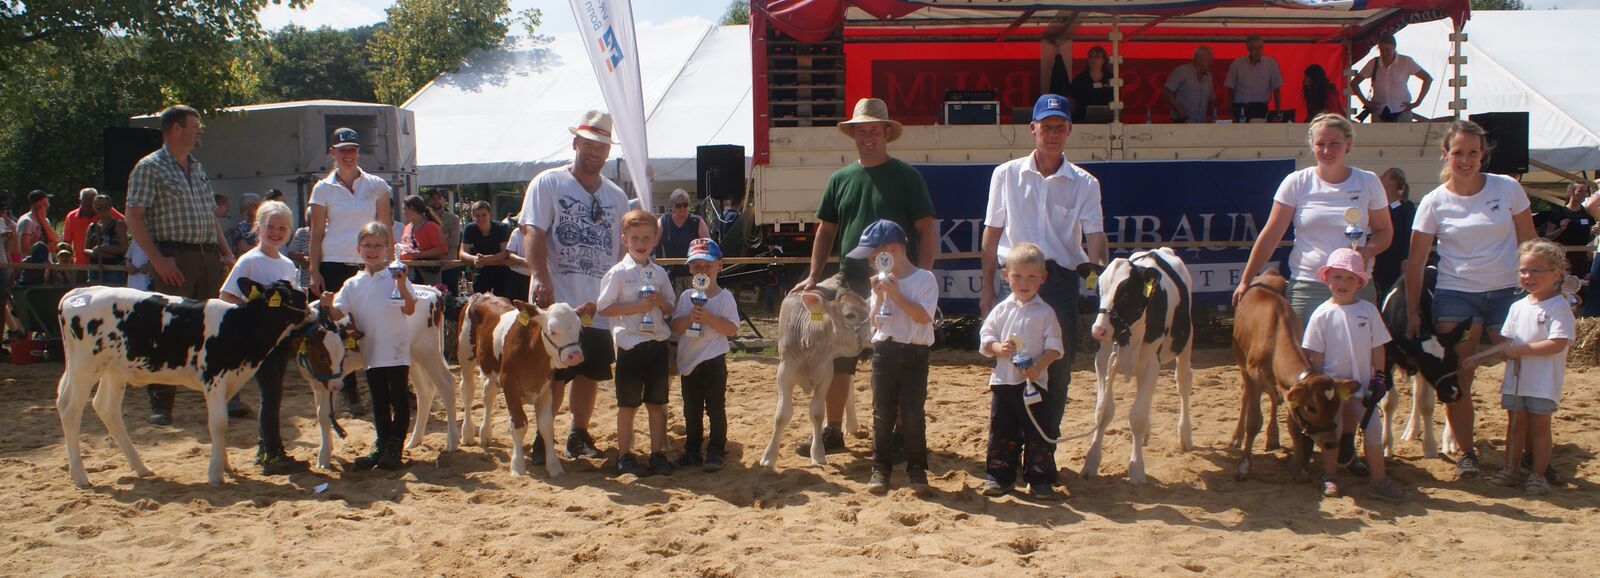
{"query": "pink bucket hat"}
(1347, 260)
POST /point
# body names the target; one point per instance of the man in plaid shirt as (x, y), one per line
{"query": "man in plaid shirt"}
(169, 216)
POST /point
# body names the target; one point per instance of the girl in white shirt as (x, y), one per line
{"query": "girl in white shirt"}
(1478, 220)
(264, 264)
(1539, 327)
(369, 297)
(1315, 200)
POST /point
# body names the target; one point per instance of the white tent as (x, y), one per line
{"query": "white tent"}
(1543, 62)
(503, 116)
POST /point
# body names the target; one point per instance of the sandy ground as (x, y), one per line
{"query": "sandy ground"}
(462, 514)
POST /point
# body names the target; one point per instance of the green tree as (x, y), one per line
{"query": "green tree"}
(301, 64)
(428, 37)
(1499, 5)
(738, 13)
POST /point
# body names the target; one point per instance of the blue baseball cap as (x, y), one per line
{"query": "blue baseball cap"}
(876, 235)
(704, 249)
(1052, 105)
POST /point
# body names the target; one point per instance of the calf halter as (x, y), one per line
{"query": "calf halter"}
(559, 351)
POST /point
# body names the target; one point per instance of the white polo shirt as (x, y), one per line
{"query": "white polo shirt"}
(1477, 237)
(348, 212)
(1034, 321)
(1532, 321)
(921, 288)
(1253, 82)
(385, 339)
(1391, 85)
(1054, 211)
(621, 285)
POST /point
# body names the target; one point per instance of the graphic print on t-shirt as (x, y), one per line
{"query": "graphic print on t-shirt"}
(584, 242)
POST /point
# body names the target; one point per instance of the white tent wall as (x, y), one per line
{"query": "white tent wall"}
(1541, 62)
(503, 116)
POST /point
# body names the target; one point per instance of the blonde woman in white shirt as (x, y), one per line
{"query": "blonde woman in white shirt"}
(1316, 200)
(341, 205)
(1478, 220)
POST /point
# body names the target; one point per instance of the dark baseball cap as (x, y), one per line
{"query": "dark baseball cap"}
(346, 137)
(876, 235)
(36, 196)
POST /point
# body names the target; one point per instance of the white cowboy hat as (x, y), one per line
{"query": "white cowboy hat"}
(595, 126)
(871, 110)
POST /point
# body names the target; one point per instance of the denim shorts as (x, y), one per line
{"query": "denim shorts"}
(1490, 307)
(1533, 405)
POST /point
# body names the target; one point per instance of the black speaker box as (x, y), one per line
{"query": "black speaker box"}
(1508, 138)
(719, 171)
(122, 147)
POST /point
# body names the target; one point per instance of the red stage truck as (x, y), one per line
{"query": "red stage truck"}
(1162, 183)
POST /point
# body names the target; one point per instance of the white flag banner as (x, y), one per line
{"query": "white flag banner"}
(607, 28)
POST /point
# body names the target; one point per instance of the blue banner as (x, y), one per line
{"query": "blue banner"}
(1147, 202)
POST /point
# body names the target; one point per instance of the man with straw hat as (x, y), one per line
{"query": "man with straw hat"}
(876, 186)
(572, 229)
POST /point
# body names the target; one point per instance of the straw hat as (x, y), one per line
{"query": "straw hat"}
(871, 110)
(595, 126)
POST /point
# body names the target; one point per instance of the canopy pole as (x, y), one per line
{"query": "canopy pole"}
(1458, 105)
(1116, 70)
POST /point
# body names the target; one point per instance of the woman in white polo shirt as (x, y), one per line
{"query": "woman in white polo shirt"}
(1478, 220)
(341, 204)
(1316, 201)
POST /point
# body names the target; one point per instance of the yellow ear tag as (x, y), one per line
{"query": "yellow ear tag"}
(349, 342)
(275, 300)
(816, 316)
(1344, 395)
(1465, 336)
(1149, 287)
(587, 319)
(254, 292)
(302, 348)
(522, 317)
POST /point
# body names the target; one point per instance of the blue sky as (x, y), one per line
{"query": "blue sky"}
(557, 13)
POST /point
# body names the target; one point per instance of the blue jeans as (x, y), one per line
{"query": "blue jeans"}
(1060, 292)
(1591, 298)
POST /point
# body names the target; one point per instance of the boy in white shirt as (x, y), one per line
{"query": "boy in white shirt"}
(637, 297)
(379, 299)
(1344, 339)
(703, 330)
(1022, 323)
(903, 300)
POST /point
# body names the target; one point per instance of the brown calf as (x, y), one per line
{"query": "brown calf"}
(516, 346)
(1266, 344)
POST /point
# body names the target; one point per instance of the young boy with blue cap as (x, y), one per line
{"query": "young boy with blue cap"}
(706, 315)
(903, 299)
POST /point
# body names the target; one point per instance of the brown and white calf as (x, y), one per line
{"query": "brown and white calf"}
(115, 336)
(516, 346)
(814, 327)
(1145, 321)
(1266, 345)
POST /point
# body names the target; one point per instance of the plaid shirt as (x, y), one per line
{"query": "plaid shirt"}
(178, 207)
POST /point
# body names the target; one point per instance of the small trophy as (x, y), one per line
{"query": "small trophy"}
(396, 270)
(1021, 360)
(884, 263)
(1352, 216)
(645, 292)
(698, 297)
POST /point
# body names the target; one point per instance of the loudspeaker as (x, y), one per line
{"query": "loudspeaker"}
(1508, 138)
(122, 147)
(719, 172)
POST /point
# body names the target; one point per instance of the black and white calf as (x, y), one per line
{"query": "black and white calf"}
(1430, 362)
(117, 336)
(1145, 321)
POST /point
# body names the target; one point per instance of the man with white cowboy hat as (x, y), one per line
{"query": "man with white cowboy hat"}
(572, 233)
(876, 186)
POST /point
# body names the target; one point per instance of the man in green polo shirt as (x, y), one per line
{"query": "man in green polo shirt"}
(876, 186)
